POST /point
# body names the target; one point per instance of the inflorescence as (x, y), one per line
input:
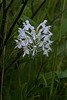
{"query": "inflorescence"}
(33, 41)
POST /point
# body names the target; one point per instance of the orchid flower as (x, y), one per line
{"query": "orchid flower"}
(32, 40)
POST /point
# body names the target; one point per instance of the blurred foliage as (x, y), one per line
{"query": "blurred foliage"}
(19, 81)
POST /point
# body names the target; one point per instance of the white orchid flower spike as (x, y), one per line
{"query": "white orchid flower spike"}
(33, 41)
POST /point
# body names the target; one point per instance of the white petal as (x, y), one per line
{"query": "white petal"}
(27, 51)
(43, 48)
(16, 40)
(45, 52)
(27, 21)
(42, 24)
(24, 54)
(40, 45)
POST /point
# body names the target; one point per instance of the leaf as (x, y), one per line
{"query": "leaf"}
(59, 74)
